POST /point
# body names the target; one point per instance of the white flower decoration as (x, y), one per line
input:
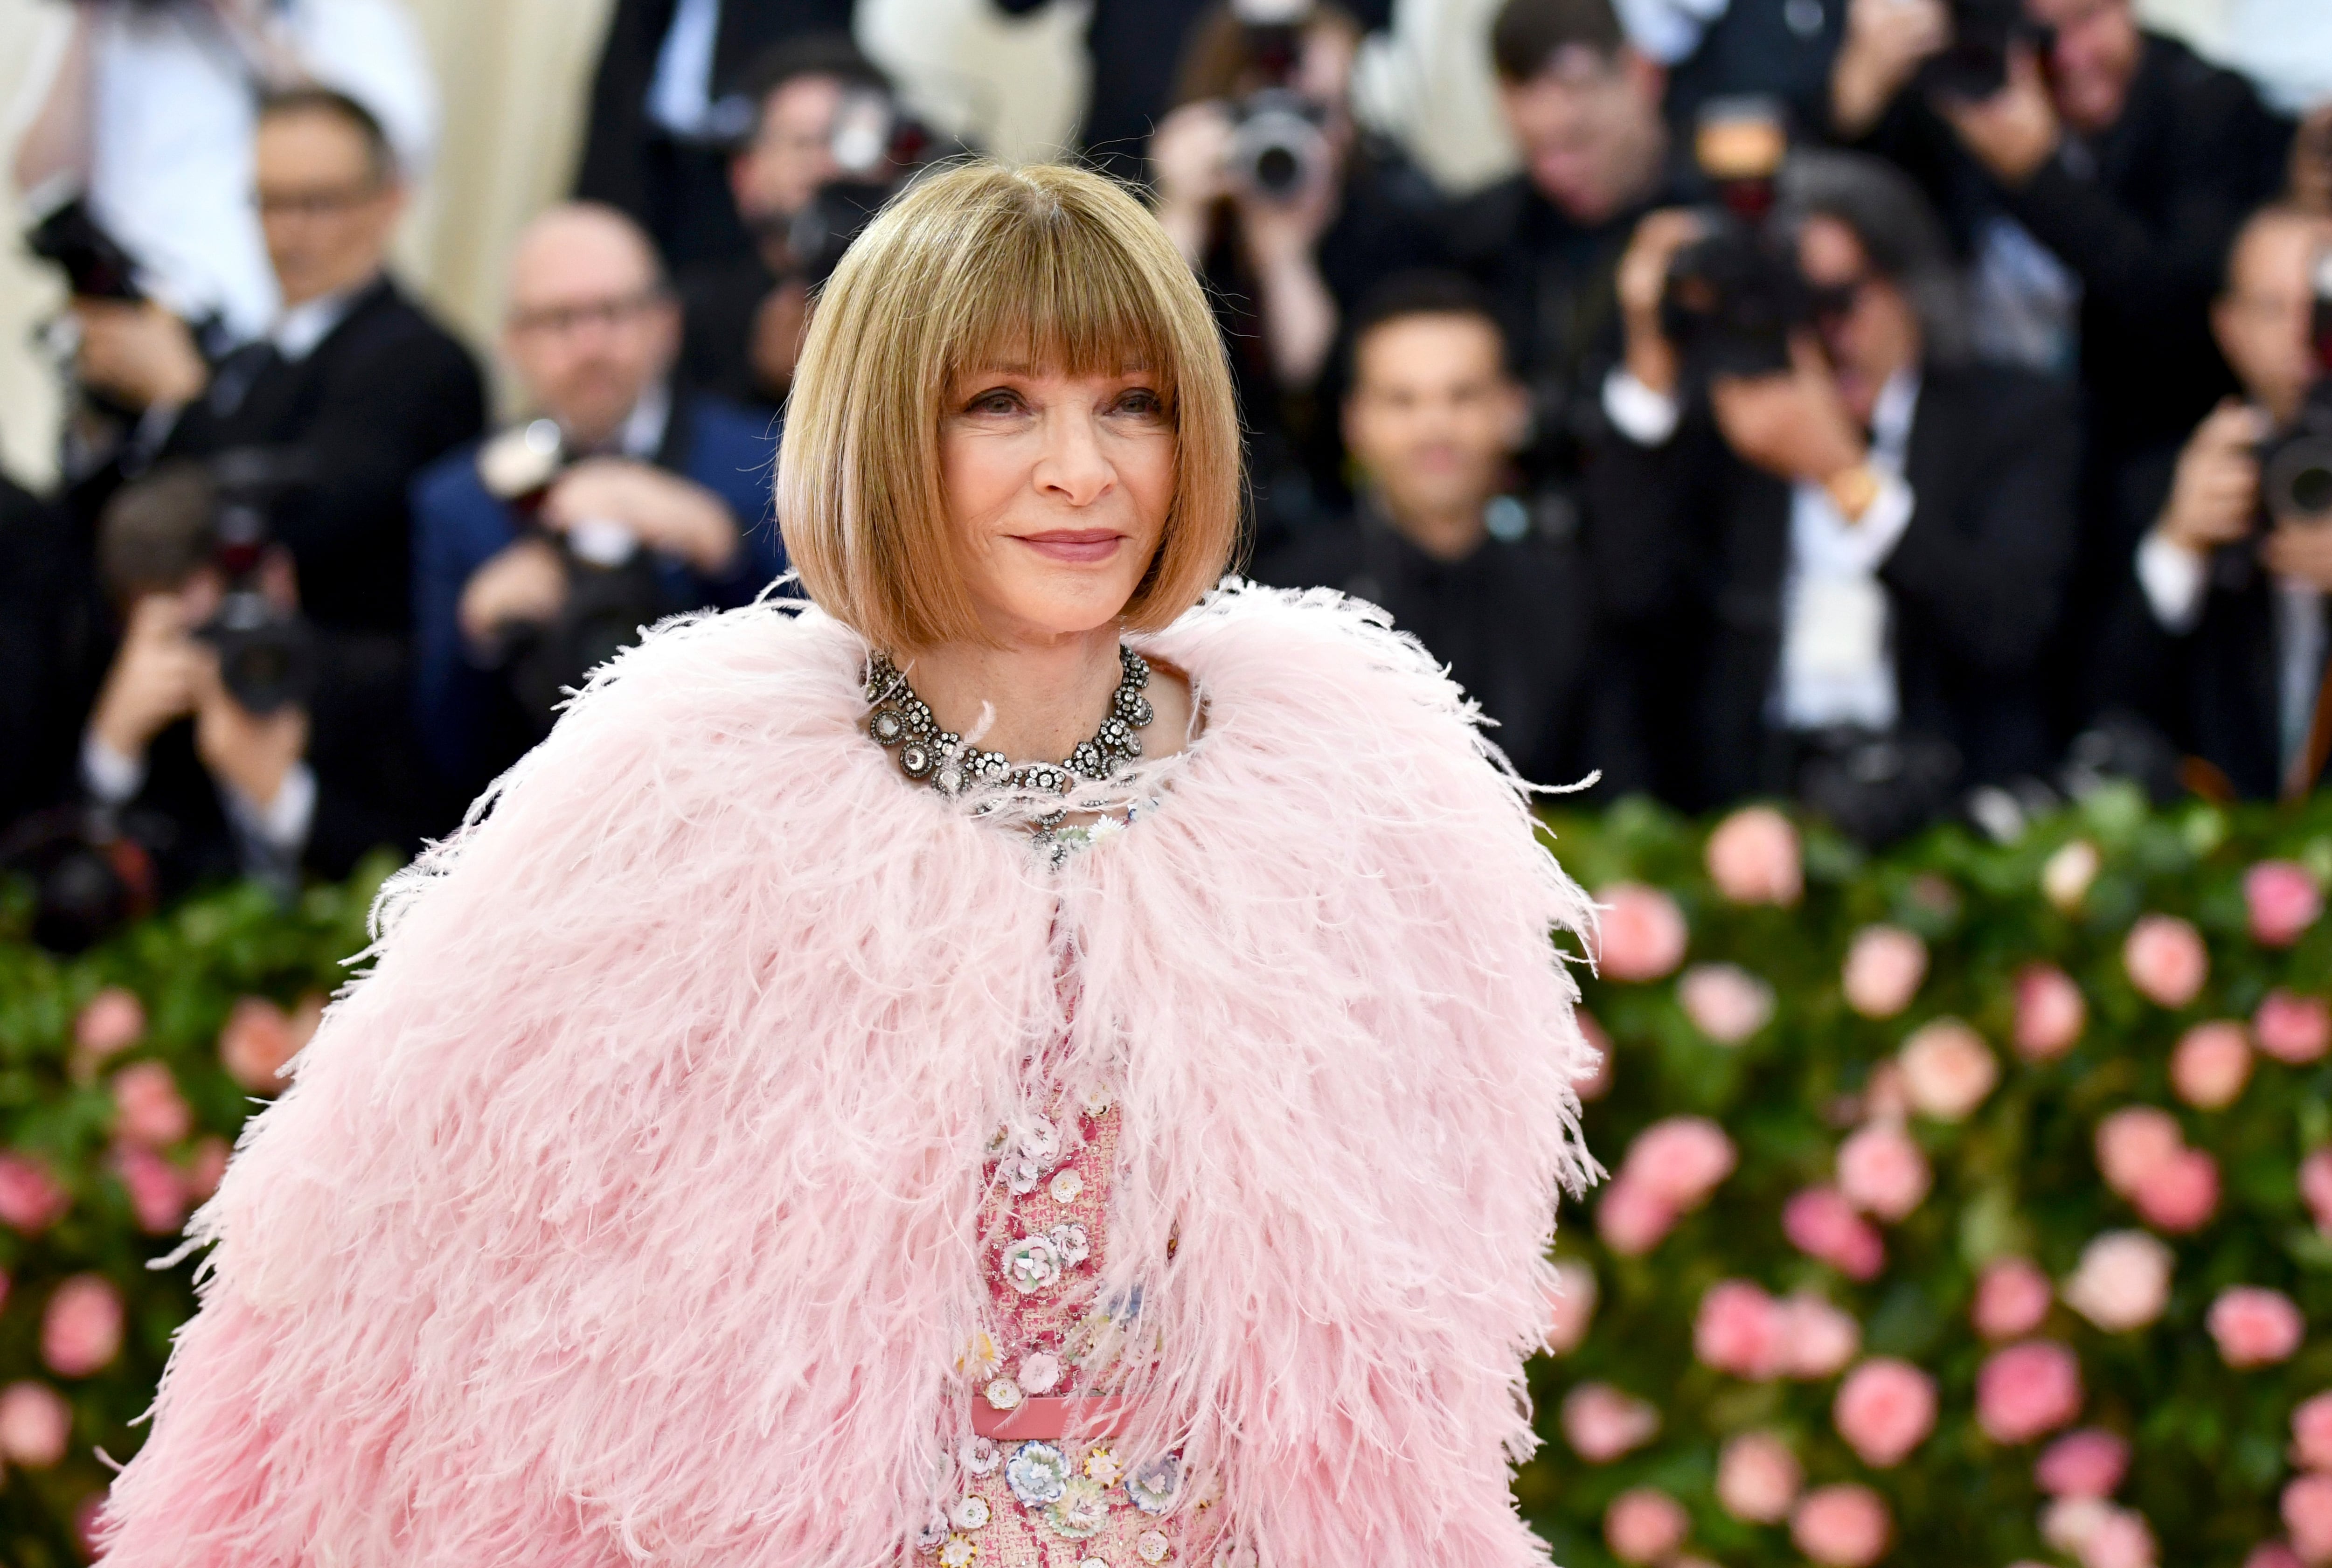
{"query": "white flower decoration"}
(934, 1530)
(1153, 1487)
(969, 1513)
(1067, 1185)
(1080, 1511)
(1021, 1176)
(1070, 1244)
(957, 1552)
(1037, 1473)
(1152, 1546)
(1039, 1373)
(1002, 1393)
(1101, 1464)
(1031, 1263)
(1041, 1141)
(1096, 1099)
(981, 1358)
(981, 1456)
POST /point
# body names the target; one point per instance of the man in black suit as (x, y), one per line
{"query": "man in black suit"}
(1833, 580)
(2233, 596)
(354, 378)
(668, 106)
(1432, 421)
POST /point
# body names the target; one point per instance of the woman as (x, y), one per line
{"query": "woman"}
(779, 1131)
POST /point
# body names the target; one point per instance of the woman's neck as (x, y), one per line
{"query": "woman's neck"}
(1038, 699)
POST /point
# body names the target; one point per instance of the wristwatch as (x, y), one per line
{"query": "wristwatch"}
(1852, 490)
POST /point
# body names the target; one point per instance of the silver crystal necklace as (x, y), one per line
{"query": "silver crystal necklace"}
(901, 723)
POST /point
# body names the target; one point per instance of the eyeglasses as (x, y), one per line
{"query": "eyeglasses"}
(558, 321)
(325, 203)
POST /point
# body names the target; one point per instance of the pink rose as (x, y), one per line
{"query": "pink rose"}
(1881, 1171)
(2122, 1281)
(2307, 1510)
(147, 1107)
(1600, 1423)
(1571, 1305)
(2181, 1194)
(1724, 1001)
(158, 1192)
(1884, 1410)
(1841, 1526)
(1818, 1339)
(2293, 1029)
(30, 1199)
(36, 1425)
(256, 1042)
(2011, 1299)
(1757, 1479)
(1884, 967)
(2027, 1391)
(2311, 1433)
(1740, 1330)
(1820, 1223)
(1645, 1524)
(80, 1332)
(2212, 1065)
(2284, 902)
(1598, 1082)
(109, 1022)
(1947, 1069)
(2255, 1326)
(2121, 1538)
(2050, 1012)
(1631, 1217)
(1753, 858)
(207, 1166)
(2088, 1463)
(2065, 878)
(1641, 935)
(1679, 1160)
(2166, 959)
(2133, 1141)
(2272, 1555)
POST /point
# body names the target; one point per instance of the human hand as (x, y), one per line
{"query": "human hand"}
(2214, 493)
(524, 584)
(2301, 552)
(1189, 153)
(662, 511)
(249, 752)
(1792, 424)
(2014, 132)
(1640, 280)
(153, 680)
(1286, 233)
(139, 352)
(1886, 42)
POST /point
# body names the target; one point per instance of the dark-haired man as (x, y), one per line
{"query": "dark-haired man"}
(355, 383)
(1432, 420)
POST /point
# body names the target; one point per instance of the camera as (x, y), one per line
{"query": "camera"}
(267, 654)
(879, 148)
(613, 586)
(2296, 466)
(1974, 65)
(1279, 147)
(68, 235)
(1733, 296)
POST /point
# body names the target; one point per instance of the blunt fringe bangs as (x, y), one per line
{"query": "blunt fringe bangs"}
(980, 265)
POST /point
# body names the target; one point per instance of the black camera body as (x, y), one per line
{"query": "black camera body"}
(1279, 141)
(268, 657)
(95, 264)
(2296, 466)
(1733, 296)
(879, 148)
(1974, 65)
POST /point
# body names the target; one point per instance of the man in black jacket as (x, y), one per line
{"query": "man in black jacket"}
(2230, 624)
(1835, 580)
(1432, 421)
(356, 385)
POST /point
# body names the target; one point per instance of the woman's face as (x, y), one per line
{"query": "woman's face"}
(1057, 489)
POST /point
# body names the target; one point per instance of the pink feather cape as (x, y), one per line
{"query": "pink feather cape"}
(624, 1212)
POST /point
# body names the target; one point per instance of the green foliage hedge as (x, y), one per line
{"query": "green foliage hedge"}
(1766, 918)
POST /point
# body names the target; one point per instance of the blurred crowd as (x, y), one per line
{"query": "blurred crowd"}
(1912, 408)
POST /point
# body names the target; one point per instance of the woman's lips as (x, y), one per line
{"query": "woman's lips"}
(1075, 547)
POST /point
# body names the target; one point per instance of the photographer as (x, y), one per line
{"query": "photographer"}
(1433, 419)
(1584, 106)
(655, 493)
(2234, 669)
(351, 371)
(816, 98)
(2098, 183)
(151, 110)
(1290, 216)
(220, 764)
(1834, 580)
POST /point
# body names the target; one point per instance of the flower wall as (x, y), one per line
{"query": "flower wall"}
(1971, 1206)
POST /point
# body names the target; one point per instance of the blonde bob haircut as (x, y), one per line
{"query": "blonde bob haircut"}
(980, 266)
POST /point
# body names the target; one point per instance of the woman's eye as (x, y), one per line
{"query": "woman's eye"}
(996, 400)
(1142, 402)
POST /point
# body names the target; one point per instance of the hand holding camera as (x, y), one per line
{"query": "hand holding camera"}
(664, 512)
(138, 353)
(1887, 42)
(1792, 424)
(2011, 132)
(250, 753)
(1641, 283)
(155, 680)
(2214, 495)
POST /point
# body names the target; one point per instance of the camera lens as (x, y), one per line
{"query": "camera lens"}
(2299, 480)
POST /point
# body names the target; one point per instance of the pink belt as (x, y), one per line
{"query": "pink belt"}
(1092, 1416)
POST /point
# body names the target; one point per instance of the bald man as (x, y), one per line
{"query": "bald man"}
(657, 500)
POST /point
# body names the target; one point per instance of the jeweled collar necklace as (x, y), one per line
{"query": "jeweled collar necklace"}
(902, 723)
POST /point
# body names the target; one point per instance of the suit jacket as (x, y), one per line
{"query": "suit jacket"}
(471, 721)
(1691, 551)
(52, 652)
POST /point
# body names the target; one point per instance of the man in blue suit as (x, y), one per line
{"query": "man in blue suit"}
(539, 554)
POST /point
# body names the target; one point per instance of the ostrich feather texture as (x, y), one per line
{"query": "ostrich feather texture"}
(623, 1211)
